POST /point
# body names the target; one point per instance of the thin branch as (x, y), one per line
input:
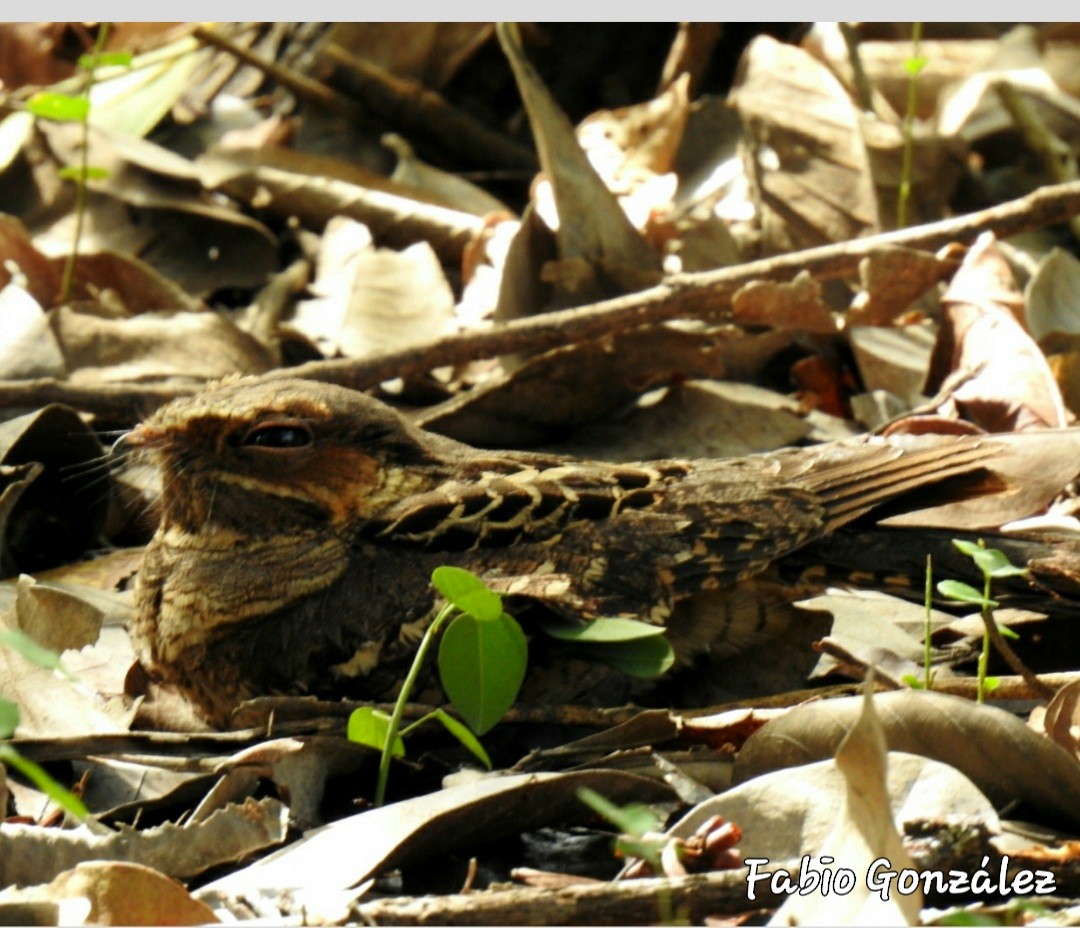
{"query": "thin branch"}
(706, 296)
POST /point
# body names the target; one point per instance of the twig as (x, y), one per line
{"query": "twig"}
(860, 82)
(706, 295)
(410, 105)
(302, 86)
(1012, 659)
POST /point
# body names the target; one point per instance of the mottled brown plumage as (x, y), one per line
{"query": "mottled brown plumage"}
(301, 523)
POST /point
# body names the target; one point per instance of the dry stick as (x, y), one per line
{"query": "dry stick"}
(412, 106)
(302, 86)
(706, 295)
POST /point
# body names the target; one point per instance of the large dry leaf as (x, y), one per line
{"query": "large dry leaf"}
(864, 833)
(1007, 384)
(787, 813)
(28, 347)
(114, 893)
(152, 346)
(331, 860)
(30, 854)
(601, 253)
(998, 752)
(19, 256)
(805, 152)
(370, 301)
(200, 243)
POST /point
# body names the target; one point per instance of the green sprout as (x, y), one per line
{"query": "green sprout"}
(914, 66)
(64, 107)
(994, 564)
(483, 656)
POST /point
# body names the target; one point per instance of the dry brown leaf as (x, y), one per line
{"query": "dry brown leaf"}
(864, 833)
(370, 301)
(152, 346)
(19, 256)
(607, 255)
(998, 752)
(430, 52)
(30, 854)
(114, 893)
(28, 348)
(893, 359)
(892, 279)
(333, 860)
(1061, 719)
(805, 153)
(1009, 386)
(795, 306)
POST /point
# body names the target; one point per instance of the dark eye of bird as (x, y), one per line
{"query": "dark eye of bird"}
(279, 435)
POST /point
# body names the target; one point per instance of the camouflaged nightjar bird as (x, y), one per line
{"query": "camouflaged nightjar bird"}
(301, 523)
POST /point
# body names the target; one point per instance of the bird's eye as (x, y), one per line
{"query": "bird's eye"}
(284, 436)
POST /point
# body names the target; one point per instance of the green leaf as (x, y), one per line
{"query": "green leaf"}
(1007, 632)
(964, 593)
(633, 819)
(105, 60)
(468, 592)
(967, 547)
(59, 107)
(64, 798)
(601, 630)
(19, 641)
(647, 657)
(916, 683)
(466, 737)
(991, 683)
(370, 726)
(482, 665)
(913, 66)
(9, 718)
(75, 172)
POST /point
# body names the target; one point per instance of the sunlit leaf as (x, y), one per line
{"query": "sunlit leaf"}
(467, 591)
(482, 665)
(75, 172)
(466, 737)
(370, 726)
(646, 657)
(964, 593)
(59, 107)
(633, 819)
(601, 630)
(105, 60)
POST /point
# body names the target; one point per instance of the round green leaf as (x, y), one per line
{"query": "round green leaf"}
(60, 107)
(467, 591)
(601, 630)
(105, 60)
(646, 657)
(482, 665)
(370, 726)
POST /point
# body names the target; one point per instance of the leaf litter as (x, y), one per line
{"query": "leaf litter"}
(349, 195)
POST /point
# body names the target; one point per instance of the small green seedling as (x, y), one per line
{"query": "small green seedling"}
(928, 597)
(22, 643)
(483, 656)
(914, 67)
(994, 564)
(64, 107)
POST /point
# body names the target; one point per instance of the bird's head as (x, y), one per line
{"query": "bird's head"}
(264, 456)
